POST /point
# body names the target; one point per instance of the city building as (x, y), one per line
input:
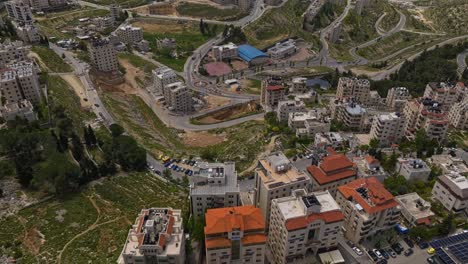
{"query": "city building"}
(449, 164)
(415, 210)
(12, 51)
(19, 11)
(28, 33)
(368, 208)
(166, 43)
(388, 129)
(307, 124)
(359, 89)
(156, 237)
(129, 34)
(287, 107)
(282, 50)
(276, 177)
(369, 166)
(332, 171)
(272, 92)
(303, 222)
(458, 115)
(235, 235)
(115, 11)
(348, 112)
(22, 109)
(178, 97)
(397, 98)
(103, 55)
(452, 191)
(446, 94)
(213, 185)
(426, 114)
(226, 51)
(412, 169)
(19, 81)
(252, 55)
(299, 85)
(142, 45)
(329, 139)
(161, 77)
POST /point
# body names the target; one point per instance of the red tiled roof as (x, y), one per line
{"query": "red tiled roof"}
(162, 240)
(380, 198)
(170, 225)
(217, 242)
(254, 239)
(371, 160)
(242, 218)
(323, 178)
(424, 221)
(302, 222)
(332, 168)
(335, 162)
(275, 87)
(331, 151)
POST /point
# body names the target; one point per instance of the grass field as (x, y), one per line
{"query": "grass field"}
(449, 16)
(280, 23)
(209, 12)
(91, 226)
(138, 62)
(53, 61)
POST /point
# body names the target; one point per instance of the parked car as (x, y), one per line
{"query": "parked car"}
(409, 242)
(431, 259)
(384, 254)
(157, 172)
(423, 245)
(379, 255)
(409, 252)
(431, 250)
(382, 261)
(398, 248)
(391, 252)
(372, 255)
(190, 173)
(358, 251)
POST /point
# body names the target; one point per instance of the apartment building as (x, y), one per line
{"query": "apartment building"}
(19, 11)
(307, 124)
(412, 169)
(213, 185)
(331, 172)
(282, 50)
(359, 89)
(458, 115)
(449, 164)
(287, 107)
(369, 166)
(28, 33)
(388, 129)
(329, 139)
(427, 114)
(235, 235)
(299, 85)
(351, 114)
(129, 34)
(276, 177)
(452, 191)
(156, 237)
(415, 210)
(12, 51)
(103, 55)
(22, 109)
(19, 81)
(115, 11)
(303, 222)
(223, 52)
(272, 92)
(161, 77)
(446, 94)
(368, 208)
(178, 97)
(397, 98)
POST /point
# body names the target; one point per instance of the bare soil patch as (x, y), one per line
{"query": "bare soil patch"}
(202, 139)
(160, 27)
(228, 113)
(213, 101)
(239, 65)
(33, 240)
(75, 83)
(300, 55)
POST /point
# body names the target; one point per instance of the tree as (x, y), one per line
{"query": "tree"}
(167, 173)
(198, 232)
(116, 130)
(63, 56)
(91, 135)
(374, 143)
(77, 147)
(202, 27)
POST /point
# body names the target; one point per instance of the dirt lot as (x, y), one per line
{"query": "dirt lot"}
(239, 65)
(215, 101)
(78, 87)
(202, 139)
(228, 114)
(160, 27)
(132, 73)
(301, 54)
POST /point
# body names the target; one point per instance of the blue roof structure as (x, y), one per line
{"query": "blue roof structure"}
(452, 249)
(248, 53)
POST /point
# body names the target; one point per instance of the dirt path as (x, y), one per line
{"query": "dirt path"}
(78, 87)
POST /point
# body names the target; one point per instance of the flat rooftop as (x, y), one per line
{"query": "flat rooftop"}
(211, 171)
(292, 207)
(273, 178)
(415, 205)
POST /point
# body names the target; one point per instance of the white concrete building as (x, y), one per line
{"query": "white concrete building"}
(368, 208)
(388, 129)
(28, 33)
(227, 51)
(458, 115)
(307, 124)
(449, 164)
(359, 89)
(19, 81)
(415, 210)
(282, 50)
(103, 55)
(19, 11)
(275, 178)
(412, 169)
(178, 97)
(299, 85)
(213, 185)
(397, 98)
(446, 94)
(12, 51)
(369, 166)
(161, 77)
(272, 92)
(329, 139)
(303, 222)
(156, 237)
(452, 191)
(287, 107)
(129, 34)
(351, 114)
(22, 109)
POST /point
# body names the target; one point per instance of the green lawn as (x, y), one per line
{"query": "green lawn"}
(209, 12)
(53, 61)
(117, 201)
(138, 62)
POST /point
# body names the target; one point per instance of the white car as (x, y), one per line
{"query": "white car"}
(358, 251)
(376, 252)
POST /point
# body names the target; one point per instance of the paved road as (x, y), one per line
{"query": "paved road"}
(379, 30)
(461, 61)
(84, 3)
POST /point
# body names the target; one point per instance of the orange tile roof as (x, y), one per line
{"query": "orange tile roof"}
(242, 218)
(371, 160)
(162, 240)
(275, 87)
(335, 162)
(379, 197)
(254, 239)
(424, 221)
(323, 178)
(170, 225)
(217, 242)
(302, 222)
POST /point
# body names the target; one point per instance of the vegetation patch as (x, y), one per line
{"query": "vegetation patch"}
(449, 16)
(53, 61)
(138, 62)
(209, 11)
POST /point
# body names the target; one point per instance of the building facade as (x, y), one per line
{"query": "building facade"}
(178, 97)
(458, 115)
(287, 107)
(103, 55)
(348, 112)
(272, 92)
(307, 124)
(28, 33)
(282, 50)
(397, 98)
(19, 11)
(446, 94)
(161, 77)
(412, 169)
(19, 81)
(12, 51)
(452, 191)
(388, 129)
(23, 109)
(415, 210)
(129, 34)
(359, 89)
(227, 51)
